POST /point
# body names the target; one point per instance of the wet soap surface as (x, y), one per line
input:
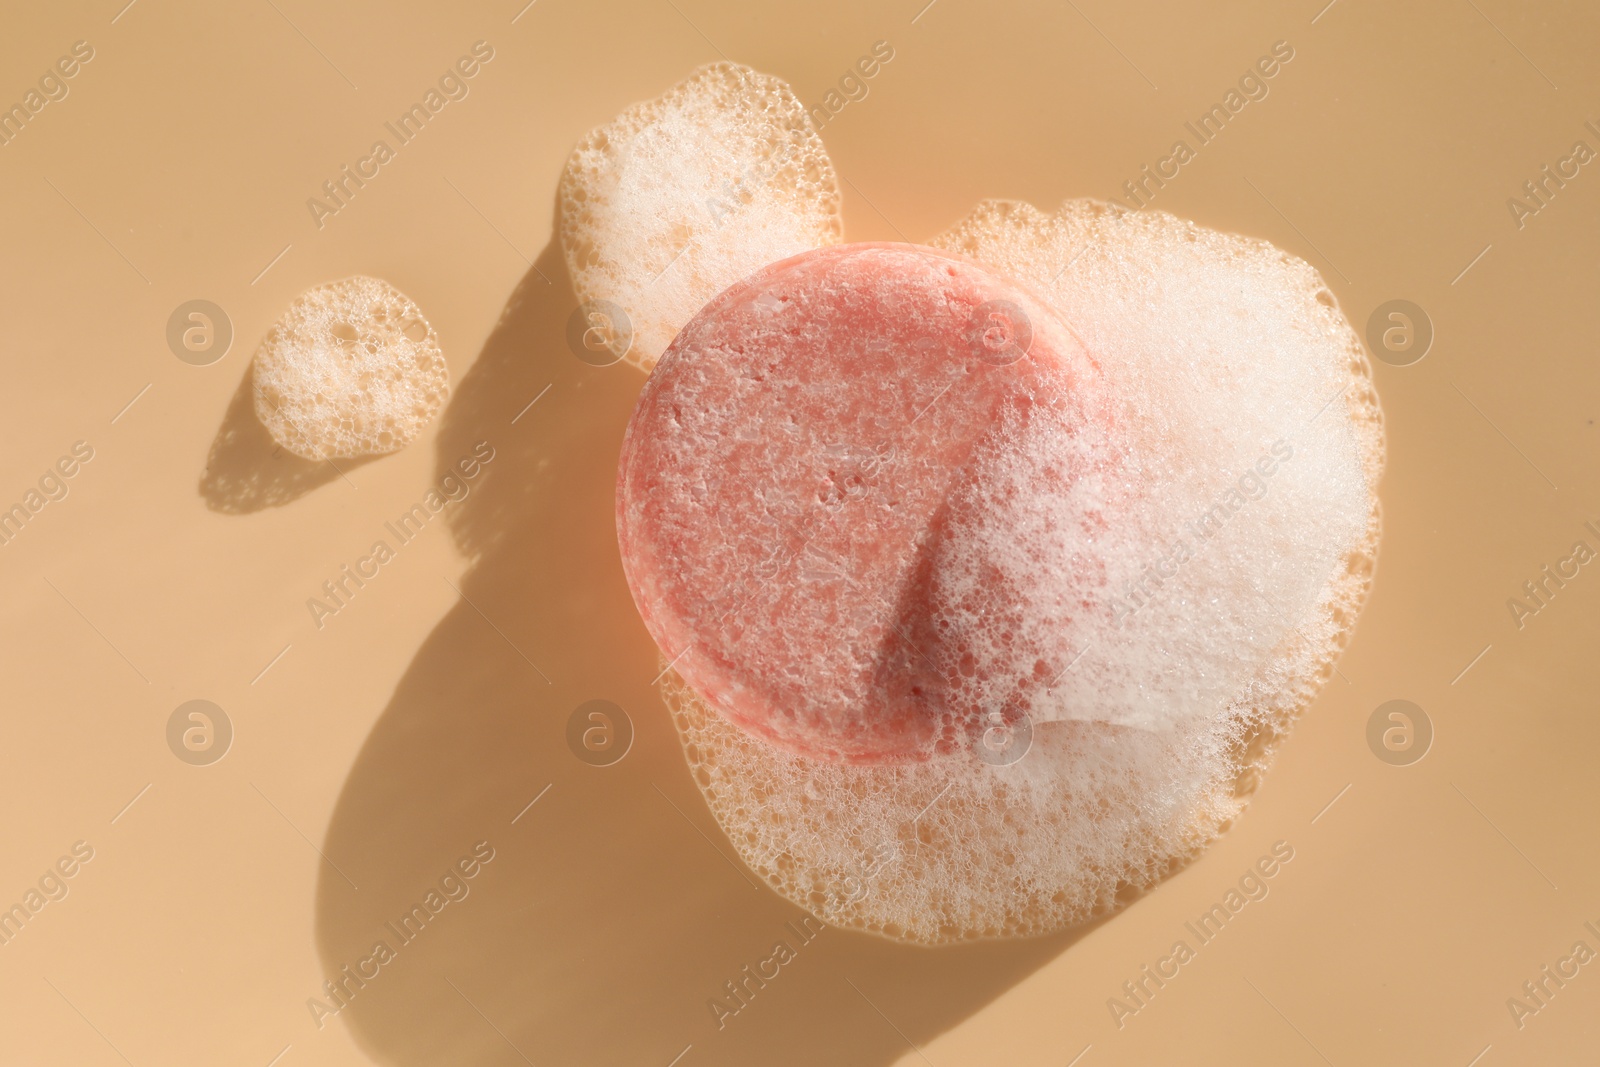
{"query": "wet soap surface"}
(790, 471)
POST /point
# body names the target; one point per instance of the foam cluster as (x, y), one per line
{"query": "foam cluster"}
(683, 195)
(955, 849)
(353, 368)
(1252, 445)
(1203, 583)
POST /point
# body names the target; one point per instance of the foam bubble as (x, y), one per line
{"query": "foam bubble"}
(352, 368)
(1219, 350)
(681, 196)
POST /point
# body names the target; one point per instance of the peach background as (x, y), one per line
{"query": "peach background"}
(378, 750)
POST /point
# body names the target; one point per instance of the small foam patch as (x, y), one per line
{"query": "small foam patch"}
(681, 196)
(1249, 432)
(351, 369)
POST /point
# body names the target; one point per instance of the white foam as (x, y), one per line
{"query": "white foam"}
(352, 368)
(1227, 359)
(1089, 818)
(679, 197)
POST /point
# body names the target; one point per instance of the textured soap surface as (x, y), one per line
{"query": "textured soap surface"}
(792, 469)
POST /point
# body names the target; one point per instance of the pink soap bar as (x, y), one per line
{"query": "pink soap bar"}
(789, 472)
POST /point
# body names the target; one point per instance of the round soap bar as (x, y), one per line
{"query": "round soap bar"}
(789, 473)
(1205, 603)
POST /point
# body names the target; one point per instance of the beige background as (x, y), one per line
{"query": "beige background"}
(376, 751)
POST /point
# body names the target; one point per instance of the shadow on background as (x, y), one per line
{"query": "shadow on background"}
(247, 471)
(614, 908)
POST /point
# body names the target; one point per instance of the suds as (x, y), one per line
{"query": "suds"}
(352, 368)
(681, 196)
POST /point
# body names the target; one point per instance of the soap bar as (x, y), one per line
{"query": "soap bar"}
(788, 471)
(1207, 602)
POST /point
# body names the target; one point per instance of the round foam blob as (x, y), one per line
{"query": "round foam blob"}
(792, 473)
(1238, 542)
(351, 369)
(681, 196)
